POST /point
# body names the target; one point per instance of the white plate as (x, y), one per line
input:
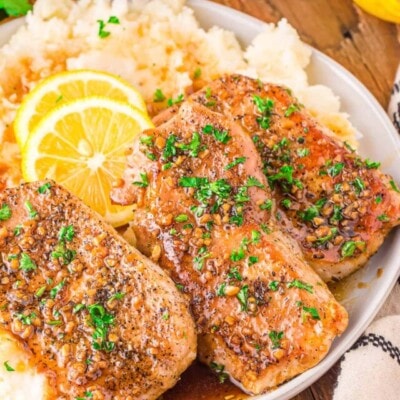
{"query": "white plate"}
(380, 142)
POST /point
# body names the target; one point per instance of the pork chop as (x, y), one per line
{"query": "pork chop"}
(203, 208)
(94, 314)
(336, 205)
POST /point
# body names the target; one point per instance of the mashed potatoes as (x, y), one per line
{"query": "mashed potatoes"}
(156, 44)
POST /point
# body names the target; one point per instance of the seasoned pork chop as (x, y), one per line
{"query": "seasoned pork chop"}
(336, 205)
(95, 315)
(203, 206)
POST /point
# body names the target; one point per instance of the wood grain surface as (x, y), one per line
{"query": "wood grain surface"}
(363, 44)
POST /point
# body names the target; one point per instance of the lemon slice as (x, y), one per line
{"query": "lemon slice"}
(66, 86)
(388, 10)
(82, 145)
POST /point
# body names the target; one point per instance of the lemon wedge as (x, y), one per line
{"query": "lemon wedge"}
(66, 86)
(82, 145)
(389, 10)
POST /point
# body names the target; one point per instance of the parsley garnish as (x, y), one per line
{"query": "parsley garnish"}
(236, 161)
(181, 218)
(312, 311)
(178, 100)
(26, 263)
(169, 149)
(265, 107)
(286, 203)
(117, 296)
(197, 73)
(394, 186)
(26, 319)
(193, 146)
(327, 238)
(220, 136)
(31, 211)
(60, 251)
(5, 212)
(235, 274)
(378, 199)
(359, 185)
(303, 152)
(372, 164)
(291, 109)
(8, 367)
(253, 260)
(66, 233)
(15, 8)
(300, 285)
(146, 140)
(199, 259)
(350, 247)
(383, 218)
(243, 296)
(56, 289)
(101, 321)
(219, 369)
(252, 181)
(39, 293)
(267, 205)
(158, 96)
(276, 338)
(44, 188)
(336, 169)
(144, 181)
(221, 290)
(273, 285)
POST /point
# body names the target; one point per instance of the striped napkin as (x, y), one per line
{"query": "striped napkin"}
(370, 370)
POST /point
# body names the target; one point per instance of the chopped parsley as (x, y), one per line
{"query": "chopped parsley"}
(243, 296)
(285, 174)
(15, 8)
(5, 212)
(273, 285)
(146, 140)
(220, 136)
(324, 239)
(236, 161)
(198, 261)
(335, 169)
(31, 210)
(101, 321)
(235, 274)
(170, 149)
(102, 29)
(383, 218)
(61, 252)
(303, 152)
(66, 233)
(242, 196)
(359, 185)
(8, 367)
(394, 186)
(26, 319)
(219, 370)
(181, 218)
(44, 188)
(221, 290)
(253, 260)
(178, 100)
(371, 164)
(265, 107)
(17, 230)
(158, 96)
(117, 296)
(144, 181)
(300, 285)
(194, 146)
(26, 263)
(312, 311)
(267, 205)
(254, 182)
(197, 73)
(56, 289)
(350, 247)
(286, 203)
(276, 338)
(378, 199)
(39, 293)
(291, 109)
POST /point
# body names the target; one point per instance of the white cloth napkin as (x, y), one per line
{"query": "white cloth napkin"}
(370, 370)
